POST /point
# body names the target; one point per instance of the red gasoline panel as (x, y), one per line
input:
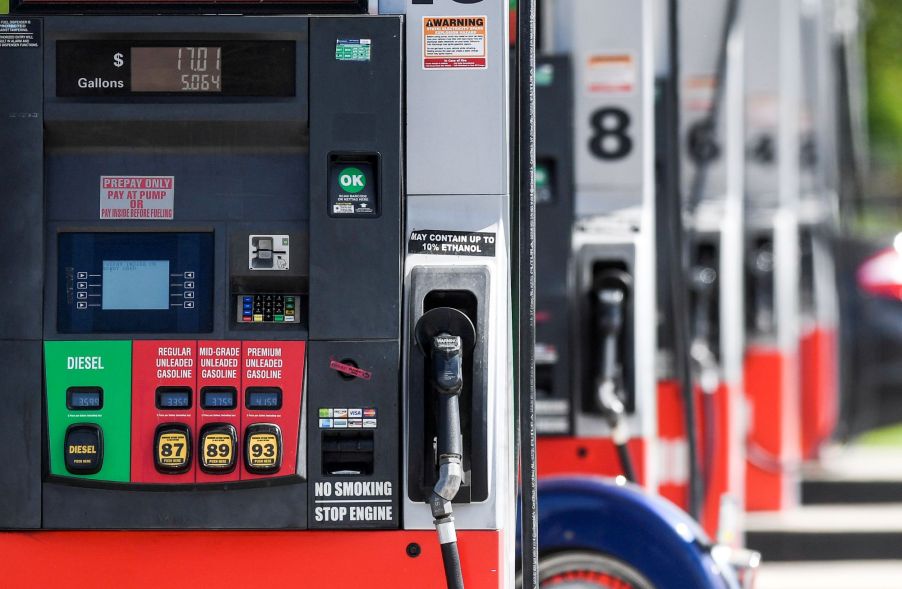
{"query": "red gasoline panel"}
(272, 383)
(376, 560)
(218, 381)
(673, 482)
(773, 442)
(586, 456)
(820, 394)
(163, 411)
(715, 451)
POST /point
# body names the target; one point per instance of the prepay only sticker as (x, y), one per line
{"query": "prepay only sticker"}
(147, 198)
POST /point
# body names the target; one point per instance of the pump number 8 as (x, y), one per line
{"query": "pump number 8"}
(610, 140)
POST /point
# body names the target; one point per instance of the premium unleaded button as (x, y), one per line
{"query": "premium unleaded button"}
(263, 448)
(84, 448)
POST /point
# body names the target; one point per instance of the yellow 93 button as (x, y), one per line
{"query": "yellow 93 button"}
(172, 448)
(263, 448)
(218, 442)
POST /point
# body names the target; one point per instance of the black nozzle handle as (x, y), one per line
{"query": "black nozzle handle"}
(447, 380)
(612, 290)
(703, 281)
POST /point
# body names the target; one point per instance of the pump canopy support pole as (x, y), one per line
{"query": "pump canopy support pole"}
(526, 285)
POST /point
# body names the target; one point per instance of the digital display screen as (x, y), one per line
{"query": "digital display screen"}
(177, 398)
(90, 398)
(263, 398)
(208, 69)
(176, 69)
(135, 285)
(211, 398)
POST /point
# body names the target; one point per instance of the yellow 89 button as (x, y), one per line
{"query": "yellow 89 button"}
(218, 442)
(263, 448)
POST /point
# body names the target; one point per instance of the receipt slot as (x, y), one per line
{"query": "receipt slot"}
(213, 251)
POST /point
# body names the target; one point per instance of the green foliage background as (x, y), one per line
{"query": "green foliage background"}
(884, 68)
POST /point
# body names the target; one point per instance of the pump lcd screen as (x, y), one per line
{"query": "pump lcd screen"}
(176, 69)
(135, 282)
(89, 398)
(174, 398)
(135, 285)
(205, 68)
(218, 398)
(262, 398)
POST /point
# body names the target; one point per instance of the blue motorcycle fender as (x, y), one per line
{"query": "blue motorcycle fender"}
(647, 532)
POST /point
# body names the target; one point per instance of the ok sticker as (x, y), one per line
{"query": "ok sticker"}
(353, 189)
(352, 180)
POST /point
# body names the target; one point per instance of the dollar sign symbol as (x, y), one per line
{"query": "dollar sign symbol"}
(117, 60)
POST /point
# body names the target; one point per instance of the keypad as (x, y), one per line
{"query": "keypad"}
(267, 308)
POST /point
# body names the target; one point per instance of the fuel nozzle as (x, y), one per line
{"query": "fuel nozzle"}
(444, 334)
(610, 299)
(610, 302)
(761, 264)
(703, 281)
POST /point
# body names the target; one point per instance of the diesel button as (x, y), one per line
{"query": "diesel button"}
(263, 448)
(218, 443)
(172, 448)
(84, 448)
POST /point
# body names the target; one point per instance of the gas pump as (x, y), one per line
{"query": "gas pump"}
(261, 319)
(772, 28)
(611, 423)
(711, 131)
(818, 227)
(595, 231)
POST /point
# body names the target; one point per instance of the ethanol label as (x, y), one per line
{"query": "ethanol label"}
(148, 198)
(454, 42)
(451, 243)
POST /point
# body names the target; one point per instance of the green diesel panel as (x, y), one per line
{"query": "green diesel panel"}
(107, 365)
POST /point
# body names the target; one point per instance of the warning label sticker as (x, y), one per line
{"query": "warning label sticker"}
(611, 73)
(451, 243)
(137, 197)
(19, 33)
(699, 93)
(454, 42)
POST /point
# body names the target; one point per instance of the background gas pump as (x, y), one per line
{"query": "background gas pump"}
(612, 425)
(712, 150)
(231, 232)
(597, 531)
(772, 65)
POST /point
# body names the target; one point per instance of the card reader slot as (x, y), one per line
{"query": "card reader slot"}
(348, 453)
